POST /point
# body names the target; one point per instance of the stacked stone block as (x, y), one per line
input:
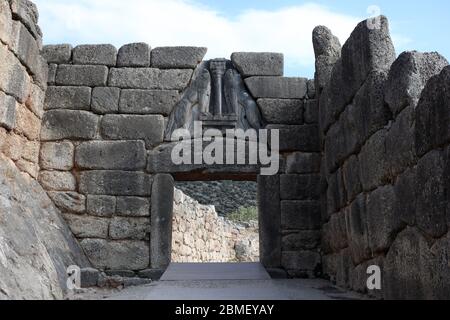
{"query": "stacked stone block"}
(105, 109)
(384, 123)
(23, 74)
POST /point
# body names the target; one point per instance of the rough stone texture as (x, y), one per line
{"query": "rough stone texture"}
(105, 100)
(134, 55)
(200, 235)
(177, 57)
(65, 124)
(37, 271)
(76, 75)
(409, 75)
(14, 79)
(277, 87)
(57, 54)
(27, 123)
(299, 187)
(117, 255)
(100, 54)
(56, 156)
(300, 215)
(258, 63)
(299, 162)
(133, 207)
(433, 114)
(129, 228)
(57, 180)
(87, 226)
(101, 206)
(5, 22)
(297, 137)
(148, 101)
(149, 78)
(27, 13)
(311, 112)
(7, 111)
(111, 155)
(149, 128)
(71, 202)
(282, 111)
(120, 183)
(72, 98)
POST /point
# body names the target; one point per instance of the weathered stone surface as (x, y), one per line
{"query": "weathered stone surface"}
(367, 49)
(51, 76)
(14, 79)
(114, 155)
(154, 274)
(277, 87)
(298, 137)
(334, 233)
(35, 101)
(129, 228)
(177, 57)
(300, 215)
(258, 63)
(148, 101)
(99, 54)
(72, 98)
(27, 123)
(120, 183)
(373, 162)
(27, 12)
(351, 178)
(134, 55)
(117, 255)
(300, 260)
(382, 222)
(327, 49)
(101, 206)
(12, 145)
(34, 259)
(433, 114)
(161, 221)
(301, 240)
(30, 151)
(87, 226)
(68, 201)
(57, 54)
(133, 207)
(76, 75)
(311, 86)
(311, 112)
(268, 197)
(57, 181)
(409, 75)
(5, 22)
(149, 78)
(406, 190)
(282, 111)
(28, 167)
(149, 128)
(357, 230)
(400, 142)
(56, 155)
(300, 162)
(432, 193)
(68, 124)
(89, 277)
(105, 100)
(7, 111)
(299, 187)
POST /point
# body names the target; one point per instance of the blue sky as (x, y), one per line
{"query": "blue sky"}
(225, 26)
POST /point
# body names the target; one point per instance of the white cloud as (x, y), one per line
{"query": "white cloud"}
(179, 22)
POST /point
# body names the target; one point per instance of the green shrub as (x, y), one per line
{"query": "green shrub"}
(244, 214)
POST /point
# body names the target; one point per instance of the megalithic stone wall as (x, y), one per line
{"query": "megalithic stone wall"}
(23, 81)
(385, 127)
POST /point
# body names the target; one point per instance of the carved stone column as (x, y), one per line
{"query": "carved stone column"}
(218, 68)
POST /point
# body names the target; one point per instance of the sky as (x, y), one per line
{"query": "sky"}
(227, 26)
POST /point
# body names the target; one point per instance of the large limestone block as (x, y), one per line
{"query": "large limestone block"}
(7, 111)
(148, 101)
(57, 54)
(77, 75)
(282, 111)
(133, 207)
(277, 87)
(409, 75)
(105, 100)
(68, 124)
(300, 260)
(134, 55)
(300, 215)
(27, 12)
(120, 183)
(114, 155)
(71, 202)
(299, 187)
(25, 47)
(149, 128)
(301, 240)
(57, 181)
(117, 255)
(177, 57)
(297, 137)
(258, 63)
(87, 226)
(27, 123)
(149, 78)
(433, 114)
(101, 206)
(5, 22)
(300, 162)
(57, 155)
(14, 79)
(99, 54)
(71, 98)
(129, 228)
